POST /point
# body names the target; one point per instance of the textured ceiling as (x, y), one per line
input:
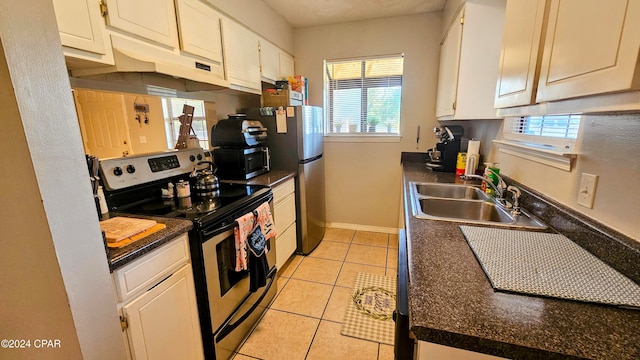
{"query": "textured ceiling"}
(323, 12)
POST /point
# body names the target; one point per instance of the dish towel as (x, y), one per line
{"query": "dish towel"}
(252, 233)
(240, 233)
(265, 220)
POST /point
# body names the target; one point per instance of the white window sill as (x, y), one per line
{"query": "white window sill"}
(368, 138)
(542, 154)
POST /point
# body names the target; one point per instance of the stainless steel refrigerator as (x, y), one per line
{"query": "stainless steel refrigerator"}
(296, 143)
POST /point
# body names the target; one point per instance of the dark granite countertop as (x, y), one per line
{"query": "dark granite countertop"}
(271, 178)
(119, 257)
(452, 303)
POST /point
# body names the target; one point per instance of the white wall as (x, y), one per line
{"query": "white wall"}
(363, 180)
(609, 148)
(54, 278)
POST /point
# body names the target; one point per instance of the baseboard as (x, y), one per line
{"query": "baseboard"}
(356, 227)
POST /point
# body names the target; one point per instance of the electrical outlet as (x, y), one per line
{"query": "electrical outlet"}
(587, 190)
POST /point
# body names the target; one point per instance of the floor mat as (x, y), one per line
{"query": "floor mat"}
(370, 309)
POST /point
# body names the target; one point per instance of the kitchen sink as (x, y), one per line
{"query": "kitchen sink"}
(464, 210)
(464, 203)
(450, 191)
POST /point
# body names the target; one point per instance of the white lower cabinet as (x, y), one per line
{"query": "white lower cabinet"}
(157, 304)
(431, 351)
(284, 213)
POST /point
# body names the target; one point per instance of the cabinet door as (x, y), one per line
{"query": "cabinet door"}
(448, 72)
(269, 61)
(199, 27)
(286, 245)
(521, 52)
(241, 55)
(286, 65)
(79, 23)
(590, 47)
(151, 19)
(163, 322)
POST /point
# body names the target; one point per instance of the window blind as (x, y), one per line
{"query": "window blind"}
(556, 126)
(364, 95)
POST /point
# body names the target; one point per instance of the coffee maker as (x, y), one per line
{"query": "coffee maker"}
(444, 155)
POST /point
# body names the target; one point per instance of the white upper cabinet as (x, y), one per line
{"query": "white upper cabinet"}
(199, 28)
(286, 65)
(241, 56)
(591, 47)
(469, 59)
(269, 61)
(82, 33)
(151, 19)
(448, 71)
(79, 24)
(521, 53)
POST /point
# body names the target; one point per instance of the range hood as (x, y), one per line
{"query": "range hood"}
(137, 57)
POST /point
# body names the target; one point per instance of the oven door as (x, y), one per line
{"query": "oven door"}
(234, 309)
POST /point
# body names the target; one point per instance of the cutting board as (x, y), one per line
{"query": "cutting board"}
(119, 228)
(136, 237)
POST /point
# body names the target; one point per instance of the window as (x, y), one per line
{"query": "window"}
(548, 139)
(363, 96)
(555, 126)
(172, 109)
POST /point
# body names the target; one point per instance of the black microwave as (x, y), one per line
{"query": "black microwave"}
(241, 164)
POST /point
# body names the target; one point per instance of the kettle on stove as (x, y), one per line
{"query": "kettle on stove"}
(206, 183)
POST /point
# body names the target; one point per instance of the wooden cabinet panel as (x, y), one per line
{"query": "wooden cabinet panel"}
(590, 48)
(286, 245)
(448, 71)
(80, 24)
(151, 19)
(163, 323)
(241, 56)
(284, 213)
(269, 61)
(286, 65)
(199, 28)
(521, 52)
(469, 61)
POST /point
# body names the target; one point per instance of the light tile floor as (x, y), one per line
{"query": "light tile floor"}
(304, 320)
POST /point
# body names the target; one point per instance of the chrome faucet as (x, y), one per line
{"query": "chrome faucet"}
(500, 189)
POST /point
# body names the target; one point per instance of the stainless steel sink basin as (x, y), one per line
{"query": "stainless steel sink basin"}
(464, 203)
(450, 191)
(464, 210)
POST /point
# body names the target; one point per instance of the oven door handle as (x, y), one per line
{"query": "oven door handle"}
(228, 327)
(208, 234)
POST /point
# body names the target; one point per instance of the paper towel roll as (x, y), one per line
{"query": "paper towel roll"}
(474, 147)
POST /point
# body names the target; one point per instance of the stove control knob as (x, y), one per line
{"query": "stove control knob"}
(131, 169)
(199, 157)
(117, 171)
(192, 158)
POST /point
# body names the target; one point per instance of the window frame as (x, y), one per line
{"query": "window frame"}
(172, 120)
(558, 152)
(365, 84)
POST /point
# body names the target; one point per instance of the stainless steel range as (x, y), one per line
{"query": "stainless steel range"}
(142, 185)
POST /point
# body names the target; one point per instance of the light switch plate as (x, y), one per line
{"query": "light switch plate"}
(587, 190)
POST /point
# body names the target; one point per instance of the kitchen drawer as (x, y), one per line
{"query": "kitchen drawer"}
(285, 212)
(281, 191)
(286, 243)
(146, 271)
